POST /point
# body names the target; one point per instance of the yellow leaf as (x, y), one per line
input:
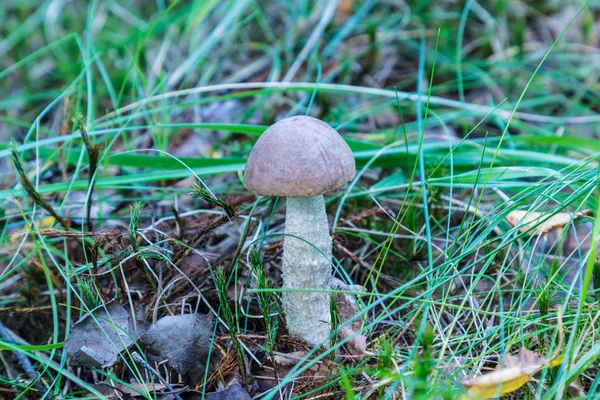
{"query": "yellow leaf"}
(516, 371)
(556, 361)
(47, 222)
(537, 223)
(496, 384)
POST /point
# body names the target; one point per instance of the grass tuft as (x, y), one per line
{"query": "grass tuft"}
(221, 286)
(93, 152)
(30, 189)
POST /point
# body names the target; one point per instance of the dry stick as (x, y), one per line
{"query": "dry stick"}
(198, 237)
(31, 191)
(389, 279)
(24, 310)
(56, 233)
(144, 364)
(352, 256)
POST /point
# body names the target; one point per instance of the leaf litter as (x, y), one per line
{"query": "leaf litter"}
(183, 340)
(348, 307)
(538, 223)
(98, 338)
(514, 372)
(209, 242)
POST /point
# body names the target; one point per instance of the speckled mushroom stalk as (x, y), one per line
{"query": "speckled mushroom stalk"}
(301, 158)
(307, 264)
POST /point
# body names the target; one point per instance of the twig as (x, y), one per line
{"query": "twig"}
(144, 364)
(51, 232)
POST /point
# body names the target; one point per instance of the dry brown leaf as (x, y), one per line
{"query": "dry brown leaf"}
(348, 308)
(537, 223)
(357, 344)
(576, 389)
(516, 371)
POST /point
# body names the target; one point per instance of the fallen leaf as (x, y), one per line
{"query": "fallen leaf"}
(133, 389)
(357, 344)
(234, 391)
(509, 376)
(183, 340)
(97, 341)
(348, 308)
(576, 389)
(537, 223)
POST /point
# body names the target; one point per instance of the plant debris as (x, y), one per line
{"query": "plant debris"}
(182, 340)
(122, 184)
(509, 376)
(347, 308)
(97, 339)
(134, 390)
(234, 391)
(538, 223)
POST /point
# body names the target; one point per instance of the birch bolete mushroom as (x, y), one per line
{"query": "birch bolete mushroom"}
(301, 158)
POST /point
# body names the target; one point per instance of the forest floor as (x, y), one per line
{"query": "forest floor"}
(134, 263)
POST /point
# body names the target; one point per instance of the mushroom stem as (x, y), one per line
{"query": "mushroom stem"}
(307, 265)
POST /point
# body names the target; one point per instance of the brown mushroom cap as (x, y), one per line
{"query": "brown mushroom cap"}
(299, 156)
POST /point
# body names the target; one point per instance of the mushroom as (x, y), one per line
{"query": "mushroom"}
(301, 158)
